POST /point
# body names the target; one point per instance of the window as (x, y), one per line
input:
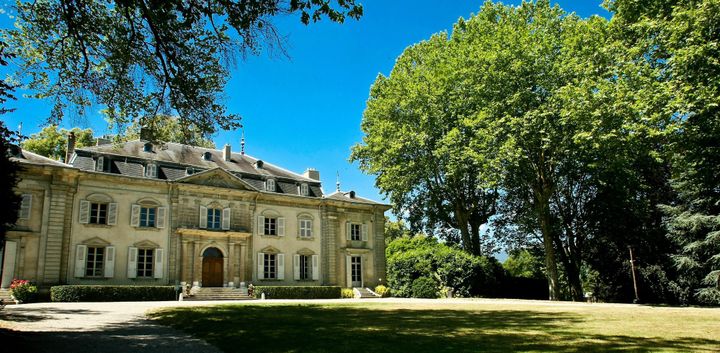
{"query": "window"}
(145, 260)
(98, 213)
(355, 231)
(148, 147)
(304, 190)
(306, 228)
(25, 206)
(214, 218)
(305, 267)
(147, 216)
(151, 170)
(100, 164)
(207, 156)
(270, 185)
(270, 226)
(270, 267)
(94, 262)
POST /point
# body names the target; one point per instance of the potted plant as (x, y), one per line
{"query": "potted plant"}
(22, 291)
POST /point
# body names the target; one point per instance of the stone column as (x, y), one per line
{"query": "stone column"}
(243, 263)
(231, 264)
(185, 263)
(196, 263)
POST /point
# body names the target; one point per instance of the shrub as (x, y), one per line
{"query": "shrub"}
(23, 291)
(347, 293)
(298, 292)
(92, 293)
(424, 287)
(382, 291)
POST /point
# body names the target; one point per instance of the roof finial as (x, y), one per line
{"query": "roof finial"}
(242, 141)
(337, 183)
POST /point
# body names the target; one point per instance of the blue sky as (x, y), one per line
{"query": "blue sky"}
(305, 111)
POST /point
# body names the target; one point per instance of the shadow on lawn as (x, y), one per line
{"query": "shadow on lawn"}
(38, 314)
(260, 328)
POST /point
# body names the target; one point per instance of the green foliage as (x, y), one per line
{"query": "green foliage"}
(93, 293)
(52, 143)
(137, 58)
(165, 128)
(298, 292)
(23, 291)
(8, 168)
(522, 263)
(424, 287)
(382, 291)
(347, 293)
(395, 229)
(448, 267)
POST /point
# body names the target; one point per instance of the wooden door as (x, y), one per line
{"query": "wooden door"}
(212, 274)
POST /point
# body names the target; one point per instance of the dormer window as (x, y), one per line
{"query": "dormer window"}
(100, 164)
(189, 171)
(304, 190)
(148, 147)
(151, 170)
(270, 185)
(207, 156)
(259, 164)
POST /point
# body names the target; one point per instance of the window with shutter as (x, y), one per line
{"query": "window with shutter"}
(145, 263)
(132, 262)
(109, 262)
(159, 268)
(203, 217)
(161, 213)
(25, 206)
(261, 266)
(280, 266)
(94, 262)
(112, 214)
(84, 212)
(315, 267)
(226, 218)
(80, 252)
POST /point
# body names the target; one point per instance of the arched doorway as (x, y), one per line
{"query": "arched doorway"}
(212, 268)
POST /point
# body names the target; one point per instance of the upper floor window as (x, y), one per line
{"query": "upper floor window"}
(270, 223)
(25, 206)
(356, 231)
(207, 156)
(305, 228)
(215, 217)
(147, 216)
(148, 147)
(270, 226)
(304, 190)
(97, 209)
(270, 185)
(151, 170)
(100, 164)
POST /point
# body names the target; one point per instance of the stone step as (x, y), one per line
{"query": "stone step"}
(364, 293)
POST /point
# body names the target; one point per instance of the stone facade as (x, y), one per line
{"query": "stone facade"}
(112, 215)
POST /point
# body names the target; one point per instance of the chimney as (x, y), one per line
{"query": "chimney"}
(312, 174)
(70, 147)
(227, 153)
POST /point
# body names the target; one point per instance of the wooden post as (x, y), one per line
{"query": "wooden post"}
(632, 267)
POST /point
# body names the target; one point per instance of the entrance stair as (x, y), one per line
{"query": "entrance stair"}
(364, 293)
(5, 296)
(219, 293)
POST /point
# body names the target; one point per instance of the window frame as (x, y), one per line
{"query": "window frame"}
(353, 235)
(95, 270)
(214, 217)
(146, 218)
(270, 185)
(25, 209)
(95, 209)
(305, 266)
(270, 226)
(146, 268)
(270, 266)
(306, 227)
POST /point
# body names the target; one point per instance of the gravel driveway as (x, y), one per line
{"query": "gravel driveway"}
(93, 327)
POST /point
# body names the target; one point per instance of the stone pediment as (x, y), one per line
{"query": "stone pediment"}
(217, 178)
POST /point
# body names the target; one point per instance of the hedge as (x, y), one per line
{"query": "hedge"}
(307, 292)
(97, 293)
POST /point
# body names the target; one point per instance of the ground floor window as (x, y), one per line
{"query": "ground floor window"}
(270, 269)
(145, 262)
(305, 267)
(94, 262)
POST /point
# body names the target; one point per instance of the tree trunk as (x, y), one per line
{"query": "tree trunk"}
(475, 234)
(549, 244)
(462, 221)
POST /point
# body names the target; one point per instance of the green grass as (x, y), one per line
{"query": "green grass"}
(449, 327)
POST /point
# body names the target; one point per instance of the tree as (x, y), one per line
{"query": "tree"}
(8, 169)
(680, 39)
(139, 58)
(52, 143)
(419, 125)
(167, 128)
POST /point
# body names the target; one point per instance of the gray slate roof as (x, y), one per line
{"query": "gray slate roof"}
(173, 159)
(345, 196)
(20, 155)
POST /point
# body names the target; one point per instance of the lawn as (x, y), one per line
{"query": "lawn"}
(482, 326)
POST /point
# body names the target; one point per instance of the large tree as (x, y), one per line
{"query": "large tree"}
(51, 142)
(419, 125)
(139, 58)
(681, 38)
(8, 169)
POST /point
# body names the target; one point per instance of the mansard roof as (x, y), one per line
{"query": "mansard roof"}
(175, 161)
(20, 155)
(349, 196)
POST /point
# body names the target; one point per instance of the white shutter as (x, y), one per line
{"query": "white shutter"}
(347, 230)
(100, 164)
(280, 266)
(203, 217)
(158, 270)
(261, 225)
(261, 266)
(135, 216)
(226, 218)
(109, 262)
(364, 232)
(281, 226)
(348, 271)
(25, 206)
(132, 262)
(112, 214)
(80, 252)
(296, 267)
(315, 267)
(309, 231)
(160, 220)
(84, 213)
(299, 227)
